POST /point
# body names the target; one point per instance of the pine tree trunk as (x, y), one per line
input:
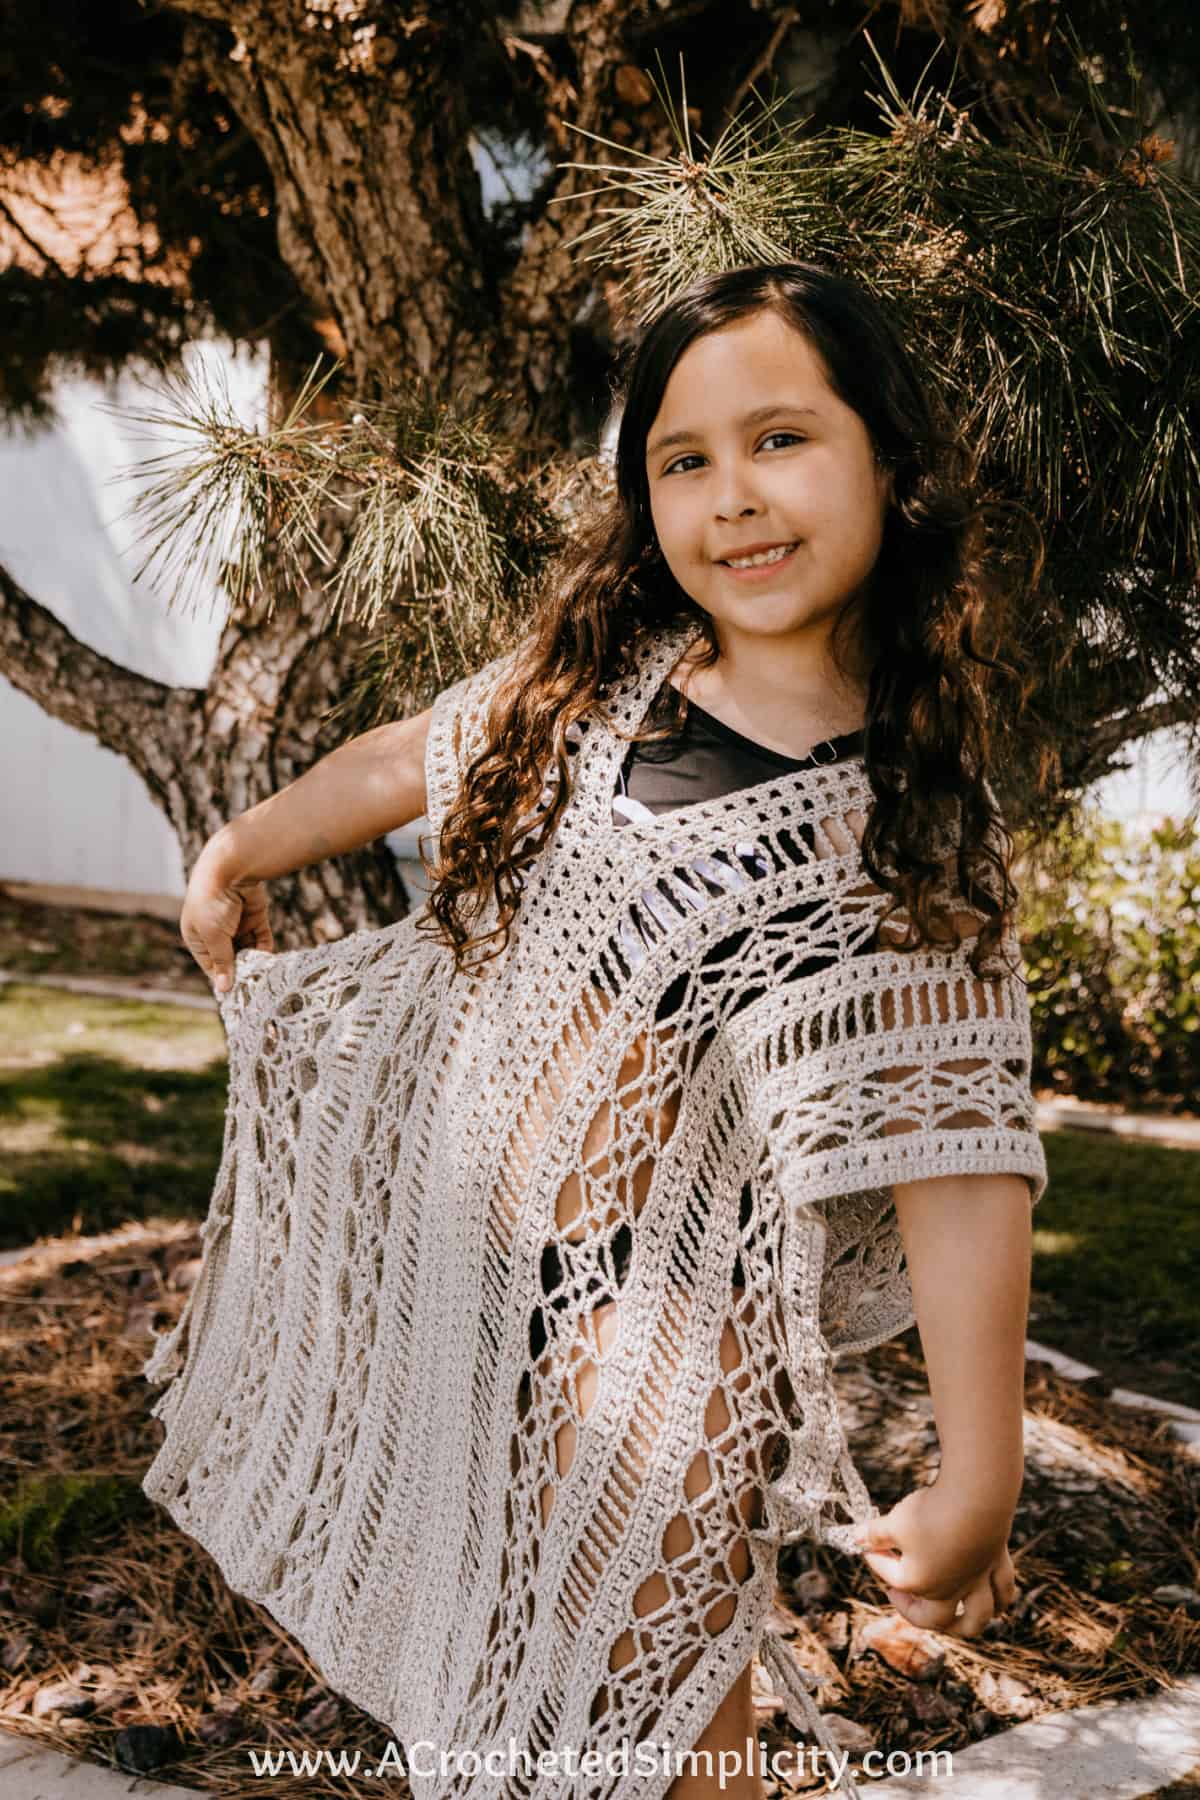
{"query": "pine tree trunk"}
(206, 755)
(379, 218)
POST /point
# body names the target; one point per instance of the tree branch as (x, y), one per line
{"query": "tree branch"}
(1108, 736)
(124, 711)
(609, 41)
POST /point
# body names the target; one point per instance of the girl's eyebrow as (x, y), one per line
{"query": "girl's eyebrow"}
(751, 418)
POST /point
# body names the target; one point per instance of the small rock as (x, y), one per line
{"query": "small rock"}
(100, 1595)
(14, 1652)
(1174, 1595)
(903, 1647)
(140, 1749)
(1003, 1693)
(848, 1734)
(266, 1679)
(221, 1727)
(931, 1707)
(320, 1717)
(65, 1698)
(811, 1587)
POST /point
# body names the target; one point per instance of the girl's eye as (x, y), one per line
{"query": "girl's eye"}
(795, 436)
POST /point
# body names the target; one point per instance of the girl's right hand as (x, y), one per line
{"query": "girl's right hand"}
(935, 1554)
(217, 912)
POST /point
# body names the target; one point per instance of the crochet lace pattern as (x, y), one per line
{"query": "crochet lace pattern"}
(572, 1549)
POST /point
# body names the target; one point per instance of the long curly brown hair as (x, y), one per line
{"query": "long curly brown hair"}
(937, 629)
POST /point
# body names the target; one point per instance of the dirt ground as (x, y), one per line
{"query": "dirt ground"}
(41, 939)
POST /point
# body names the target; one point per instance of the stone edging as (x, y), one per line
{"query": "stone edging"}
(1184, 1420)
(1183, 1134)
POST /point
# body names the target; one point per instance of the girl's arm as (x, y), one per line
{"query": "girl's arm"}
(968, 1246)
(365, 788)
(944, 1547)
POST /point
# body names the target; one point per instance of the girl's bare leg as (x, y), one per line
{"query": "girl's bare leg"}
(734, 1720)
(730, 1726)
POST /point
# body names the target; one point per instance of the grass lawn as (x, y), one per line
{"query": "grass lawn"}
(1116, 1261)
(113, 1110)
(109, 1110)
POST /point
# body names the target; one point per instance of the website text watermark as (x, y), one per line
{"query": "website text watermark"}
(643, 1759)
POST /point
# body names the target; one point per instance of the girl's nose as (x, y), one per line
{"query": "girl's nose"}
(735, 499)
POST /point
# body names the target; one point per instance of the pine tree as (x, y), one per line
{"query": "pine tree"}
(387, 531)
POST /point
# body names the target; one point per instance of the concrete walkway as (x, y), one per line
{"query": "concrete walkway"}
(1162, 1128)
(29, 1772)
(110, 989)
(1121, 1750)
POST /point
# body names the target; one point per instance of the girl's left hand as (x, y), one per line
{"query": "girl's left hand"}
(935, 1553)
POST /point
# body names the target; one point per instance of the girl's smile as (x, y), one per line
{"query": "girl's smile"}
(759, 569)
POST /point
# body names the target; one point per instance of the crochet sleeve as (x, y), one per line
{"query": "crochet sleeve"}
(457, 732)
(905, 1066)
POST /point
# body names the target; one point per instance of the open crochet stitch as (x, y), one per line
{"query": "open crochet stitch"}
(492, 1549)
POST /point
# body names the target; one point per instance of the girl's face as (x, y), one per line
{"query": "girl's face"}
(804, 475)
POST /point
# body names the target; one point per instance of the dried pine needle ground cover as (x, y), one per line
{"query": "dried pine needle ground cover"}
(119, 1641)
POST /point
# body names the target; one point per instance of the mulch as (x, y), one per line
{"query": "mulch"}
(121, 1644)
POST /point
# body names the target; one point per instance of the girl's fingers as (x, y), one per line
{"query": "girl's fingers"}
(929, 1614)
(1004, 1589)
(890, 1569)
(979, 1608)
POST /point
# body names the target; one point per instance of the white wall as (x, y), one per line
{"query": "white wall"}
(73, 813)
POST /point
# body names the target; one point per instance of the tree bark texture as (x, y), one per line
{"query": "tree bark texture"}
(206, 755)
(366, 134)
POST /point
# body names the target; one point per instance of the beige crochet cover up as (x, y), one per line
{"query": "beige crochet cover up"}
(554, 1556)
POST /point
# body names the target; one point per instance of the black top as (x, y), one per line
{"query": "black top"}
(702, 760)
(706, 758)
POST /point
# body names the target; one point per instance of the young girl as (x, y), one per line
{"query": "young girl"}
(543, 1212)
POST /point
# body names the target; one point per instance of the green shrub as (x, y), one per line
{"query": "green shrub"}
(1110, 932)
